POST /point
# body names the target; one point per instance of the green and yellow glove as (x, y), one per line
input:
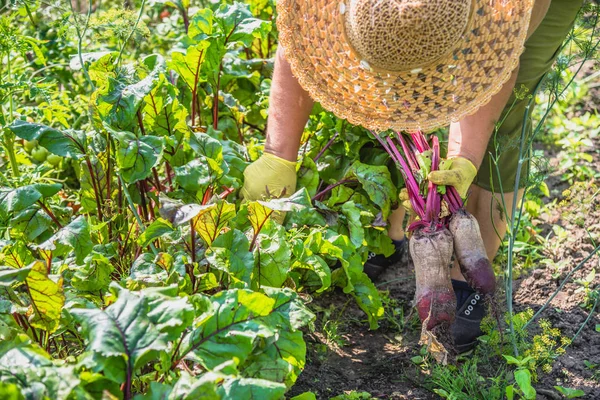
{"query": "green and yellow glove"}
(457, 171)
(269, 177)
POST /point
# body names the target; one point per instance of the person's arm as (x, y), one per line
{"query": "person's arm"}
(274, 173)
(470, 136)
(289, 109)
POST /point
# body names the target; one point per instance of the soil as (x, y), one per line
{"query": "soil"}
(353, 358)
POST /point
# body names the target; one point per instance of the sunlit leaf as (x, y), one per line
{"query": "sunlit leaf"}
(137, 156)
(157, 228)
(123, 331)
(211, 220)
(47, 297)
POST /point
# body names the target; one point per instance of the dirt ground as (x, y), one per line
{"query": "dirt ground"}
(379, 362)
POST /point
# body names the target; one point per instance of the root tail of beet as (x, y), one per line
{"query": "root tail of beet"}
(495, 311)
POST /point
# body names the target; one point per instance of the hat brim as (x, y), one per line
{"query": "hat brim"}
(456, 85)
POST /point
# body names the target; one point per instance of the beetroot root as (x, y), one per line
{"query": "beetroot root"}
(470, 253)
(432, 254)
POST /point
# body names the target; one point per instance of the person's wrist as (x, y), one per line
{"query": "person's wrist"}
(284, 154)
(476, 161)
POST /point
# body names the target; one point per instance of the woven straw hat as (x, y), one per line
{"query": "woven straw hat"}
(402, 64)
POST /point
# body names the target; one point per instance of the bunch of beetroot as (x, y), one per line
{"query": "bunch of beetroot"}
(443, 227)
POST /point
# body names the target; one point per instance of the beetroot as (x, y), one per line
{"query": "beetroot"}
(470, 252)
(432, 255)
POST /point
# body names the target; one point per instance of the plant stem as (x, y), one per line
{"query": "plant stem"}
(50, 214)
(329, 188)
(29, 15)
(108, 178)
(9, 141)
(216, 98)
(133, 210)
(186, 18)
(193, 240)
(327, 145)
(95, 186)
(80, 35)
(118, 60)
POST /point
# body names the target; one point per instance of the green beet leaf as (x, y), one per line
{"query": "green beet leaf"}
(118, 101)
(137, 156)
(355, 226)
(10, 276)
(148, 270)
(95, 273)
(250, 388)
(367, 297)
(194, 176)
(188, 65)
(313, 272)
(123, 331)
(204, 145)
(13, 200)
(230, 253)
(308, 176)
(187, 387)
(279, 361)
(237, 22)
(157, 228)
(296, 202)
(377, 182)
(169, 313)
(10, 391)
(229, 332)
(47, 297)
(211, 220)
(67, 143)
(291, 313)
(30, 223)
(272, 255)
(75, 236)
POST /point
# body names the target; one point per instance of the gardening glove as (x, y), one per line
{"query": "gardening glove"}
(457, 171)
(269, 177)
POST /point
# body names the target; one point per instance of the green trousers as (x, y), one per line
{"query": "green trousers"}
(541, 49)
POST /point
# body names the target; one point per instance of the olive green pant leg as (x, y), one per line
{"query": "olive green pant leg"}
(541, 49)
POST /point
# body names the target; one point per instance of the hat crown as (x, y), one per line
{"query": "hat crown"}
(402, 35)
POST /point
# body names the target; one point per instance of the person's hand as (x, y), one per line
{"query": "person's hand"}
(457, 171)
(269, 177)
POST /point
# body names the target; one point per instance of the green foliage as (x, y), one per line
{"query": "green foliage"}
(129, 267)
